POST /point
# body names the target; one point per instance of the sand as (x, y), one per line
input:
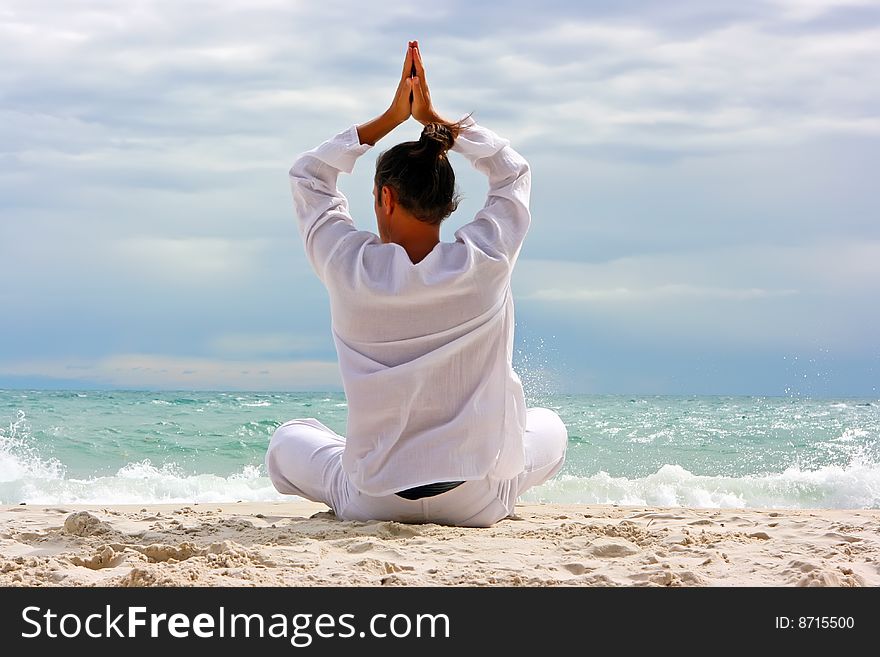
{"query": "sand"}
(302, 544)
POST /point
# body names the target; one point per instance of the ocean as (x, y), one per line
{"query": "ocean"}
(120, 447)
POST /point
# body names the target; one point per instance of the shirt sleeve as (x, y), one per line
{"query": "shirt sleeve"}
(321, 209)
(500, 227)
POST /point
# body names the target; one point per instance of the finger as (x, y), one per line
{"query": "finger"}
(417, 60)
(420, 67)
(418, 89)
(407, 64)
(415, 97)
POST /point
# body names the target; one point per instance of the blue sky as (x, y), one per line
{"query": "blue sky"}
(704, 201)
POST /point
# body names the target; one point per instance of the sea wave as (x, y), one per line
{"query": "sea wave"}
(139, 483)
(19, 460)
(855, 486)
(31, 473)
(27, 477)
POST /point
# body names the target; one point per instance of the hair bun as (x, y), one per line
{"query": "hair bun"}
(437, 138)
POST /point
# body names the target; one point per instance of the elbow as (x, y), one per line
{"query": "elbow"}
(523, 168)
(514, 179)
(525, 173)
(518, 169)
(303, 167)
(297, 168)
(520, 179)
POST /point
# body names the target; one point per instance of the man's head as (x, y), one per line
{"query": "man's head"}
(387, 209)
(415, 178)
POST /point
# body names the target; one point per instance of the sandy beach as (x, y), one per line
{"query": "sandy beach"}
(302, 544)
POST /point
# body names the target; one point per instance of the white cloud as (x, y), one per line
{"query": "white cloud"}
(804, 10)
(842, 268)
(249, 345)
(749, 295)
(174, 372)
(657, 293)
(145, 147)
(741, 85)
(189, 260)
(587, 80)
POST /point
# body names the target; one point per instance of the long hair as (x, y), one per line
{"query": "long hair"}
(420, 173)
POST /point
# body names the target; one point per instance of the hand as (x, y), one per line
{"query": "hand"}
(422, 108)
(401, 106)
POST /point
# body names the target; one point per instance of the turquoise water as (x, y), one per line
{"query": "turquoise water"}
(139, 447)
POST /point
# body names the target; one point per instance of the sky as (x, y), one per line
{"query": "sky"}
(704, 186)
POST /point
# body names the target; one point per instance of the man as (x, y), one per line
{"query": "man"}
(438, 429)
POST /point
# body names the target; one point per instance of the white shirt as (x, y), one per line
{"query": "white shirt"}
(424, 349)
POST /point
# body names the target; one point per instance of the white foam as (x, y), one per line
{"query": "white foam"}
(26, 476)
(856, 486)
(141, 483)
(851, 434)
(851, 487)
(18, 460)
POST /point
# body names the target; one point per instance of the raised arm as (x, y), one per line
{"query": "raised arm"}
(401, 106)
(504, 220)
(501, 225)
(321, 208)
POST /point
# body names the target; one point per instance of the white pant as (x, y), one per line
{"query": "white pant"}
(305, 458)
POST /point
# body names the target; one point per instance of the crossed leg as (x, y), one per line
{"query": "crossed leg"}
(305, 458)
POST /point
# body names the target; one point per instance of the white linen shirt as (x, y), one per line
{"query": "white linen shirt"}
(424, 349)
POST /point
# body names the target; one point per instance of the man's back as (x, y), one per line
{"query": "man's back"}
(425, 349)
(427, 373)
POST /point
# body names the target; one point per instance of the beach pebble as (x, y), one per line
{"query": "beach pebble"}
(575, 568)
(84, 523)
(612, 547)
